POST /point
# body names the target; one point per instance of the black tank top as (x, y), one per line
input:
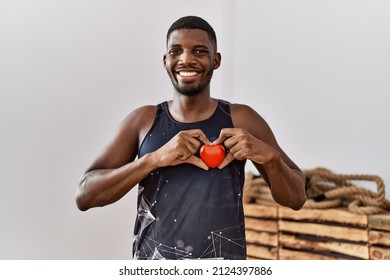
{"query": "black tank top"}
(185, 212)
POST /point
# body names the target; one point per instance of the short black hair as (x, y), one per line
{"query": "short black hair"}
(193, 22)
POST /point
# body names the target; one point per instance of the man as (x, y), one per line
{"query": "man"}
(187, 209)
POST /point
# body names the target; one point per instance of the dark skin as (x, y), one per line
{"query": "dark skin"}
(190, 61)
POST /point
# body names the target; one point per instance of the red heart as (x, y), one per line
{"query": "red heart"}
(212, 155)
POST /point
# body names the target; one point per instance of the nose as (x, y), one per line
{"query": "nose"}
(187, 57)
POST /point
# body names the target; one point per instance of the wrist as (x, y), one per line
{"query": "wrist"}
(149, 161)
(274, 160)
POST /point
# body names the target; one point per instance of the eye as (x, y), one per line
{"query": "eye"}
(174, 51)
(201, 51)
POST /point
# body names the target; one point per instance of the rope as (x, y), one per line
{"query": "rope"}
(326, 189)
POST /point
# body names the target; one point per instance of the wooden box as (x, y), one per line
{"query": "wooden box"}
(320, 234)
(276, 232)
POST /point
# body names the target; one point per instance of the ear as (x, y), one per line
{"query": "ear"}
(165, 60)
(217, 60)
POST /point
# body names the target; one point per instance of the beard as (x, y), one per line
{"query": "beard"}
(188, 90)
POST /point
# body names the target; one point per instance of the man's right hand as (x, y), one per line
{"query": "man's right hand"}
(181, 149)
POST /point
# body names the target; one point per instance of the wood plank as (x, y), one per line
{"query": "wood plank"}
(263, 238)
(260, 211)
(266, 196)
(330, 231)
(286, 254)
(249, 258)
(266, 202)
(381, 221)
(326, 246)
(379, 237)
(261, 252)
(255, 190)
(261, 225)
(342, 216)
(379, 253)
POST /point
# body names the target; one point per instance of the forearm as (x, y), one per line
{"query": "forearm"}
(105, 186)
(287, 184)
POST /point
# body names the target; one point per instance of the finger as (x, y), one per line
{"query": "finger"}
(197, 162)
(231, 143)
(188, 142)
(199, 134)
(224, 134)
(228, 159)
(191, 146)
(184, 154)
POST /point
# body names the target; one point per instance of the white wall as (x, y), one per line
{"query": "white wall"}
(318, 71)
(70, 71)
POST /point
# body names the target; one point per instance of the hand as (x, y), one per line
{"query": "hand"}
(182, 148)
(242, 145)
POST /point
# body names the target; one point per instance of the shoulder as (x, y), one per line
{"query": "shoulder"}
(139, 119)
(242, 113)
(239, 110)
(244, 116)
(141, 114)
(123, 146)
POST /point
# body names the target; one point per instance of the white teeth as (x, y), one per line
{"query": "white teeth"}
(187, 74)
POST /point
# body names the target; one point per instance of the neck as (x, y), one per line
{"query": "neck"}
(192, 108)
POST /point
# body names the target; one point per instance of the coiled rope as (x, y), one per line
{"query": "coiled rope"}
(325, 190)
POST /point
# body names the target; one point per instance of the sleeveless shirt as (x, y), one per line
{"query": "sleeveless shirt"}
(185, 212)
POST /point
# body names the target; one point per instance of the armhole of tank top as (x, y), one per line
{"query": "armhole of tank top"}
(158, 112)
(225, 107)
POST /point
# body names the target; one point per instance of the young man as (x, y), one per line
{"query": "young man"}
(187, 209)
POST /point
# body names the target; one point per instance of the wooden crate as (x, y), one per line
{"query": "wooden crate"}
(261, 227)
(379, 237)
(275, 232)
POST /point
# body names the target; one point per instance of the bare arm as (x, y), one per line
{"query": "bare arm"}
(116, 171)
(253, 139)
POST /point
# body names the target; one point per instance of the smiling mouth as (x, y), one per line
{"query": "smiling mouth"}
(187, 73)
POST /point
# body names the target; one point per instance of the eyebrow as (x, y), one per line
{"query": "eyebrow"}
(174, 46)
(195, 46)
(201, 46)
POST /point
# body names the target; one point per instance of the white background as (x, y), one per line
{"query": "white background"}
(70, 71)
